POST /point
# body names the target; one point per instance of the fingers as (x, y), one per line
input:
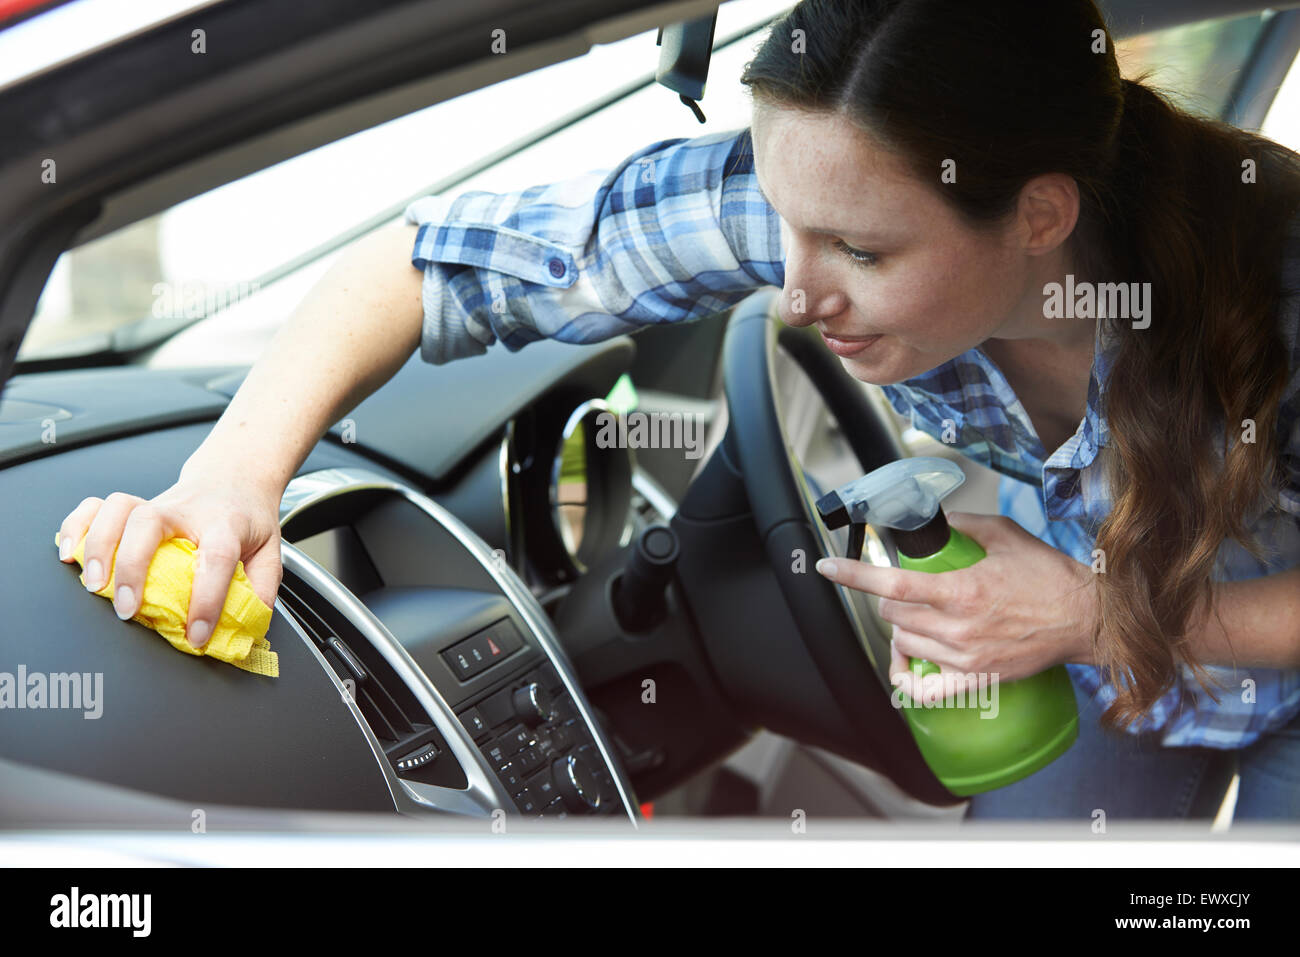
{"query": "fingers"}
(264, 571)
(218, 552)
(75, 525)
(901, 675)
(145, 529)
(931, 688)
(123, 533)
(897, 664)
(104, 534)
(896, 583)
(924, 620)
(922, 646)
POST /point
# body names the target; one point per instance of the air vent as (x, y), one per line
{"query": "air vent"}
(414, 747)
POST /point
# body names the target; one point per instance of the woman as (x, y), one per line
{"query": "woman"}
(1039, 261)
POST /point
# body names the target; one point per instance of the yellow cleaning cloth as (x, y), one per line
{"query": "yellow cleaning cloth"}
(239, 637)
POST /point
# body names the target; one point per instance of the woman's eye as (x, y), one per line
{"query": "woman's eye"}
(860, 256)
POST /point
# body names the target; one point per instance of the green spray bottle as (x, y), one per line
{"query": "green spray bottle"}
(974, 741)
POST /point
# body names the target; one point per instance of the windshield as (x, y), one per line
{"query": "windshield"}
(245, 254)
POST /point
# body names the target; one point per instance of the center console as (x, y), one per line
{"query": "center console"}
(444, 656)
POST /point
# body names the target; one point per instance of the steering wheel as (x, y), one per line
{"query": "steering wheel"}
(835, 634)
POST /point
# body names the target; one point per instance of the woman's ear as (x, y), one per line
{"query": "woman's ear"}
(1046, 213)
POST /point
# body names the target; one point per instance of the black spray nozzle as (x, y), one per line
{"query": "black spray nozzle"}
(834, 513)
(903, 496)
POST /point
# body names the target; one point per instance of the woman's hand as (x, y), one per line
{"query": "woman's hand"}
(229, 519)
(1018, 611)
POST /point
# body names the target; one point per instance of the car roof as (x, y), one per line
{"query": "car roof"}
(41, 35)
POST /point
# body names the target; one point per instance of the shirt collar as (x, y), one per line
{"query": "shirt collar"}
(980, 399)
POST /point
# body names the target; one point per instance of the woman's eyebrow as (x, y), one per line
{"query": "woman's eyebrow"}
(854, 233)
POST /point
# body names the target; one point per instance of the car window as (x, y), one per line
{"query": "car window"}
(1196, 63)
(206, 255)
(1282, 123)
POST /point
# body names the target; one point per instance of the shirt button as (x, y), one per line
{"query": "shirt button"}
(557, 268)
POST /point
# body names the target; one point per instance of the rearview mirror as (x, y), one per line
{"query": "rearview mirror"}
(684, 51)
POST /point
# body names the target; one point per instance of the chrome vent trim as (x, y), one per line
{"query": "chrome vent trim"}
(390, 779)
(483, 795)
(313, 488)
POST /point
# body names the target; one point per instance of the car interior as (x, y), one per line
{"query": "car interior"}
(485, 608)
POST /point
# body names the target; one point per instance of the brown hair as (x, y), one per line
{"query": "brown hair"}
(1018, 88)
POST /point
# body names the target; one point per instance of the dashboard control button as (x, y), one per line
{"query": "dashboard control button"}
(545, 741)
(462, 665)
(532, 704)
(577, 783)
(474, 724)
(512, 778)
(419, 757)
(485, 649)
(556, 808)
(529, 759)
(516, 739)
(497, 755)
(506, 635)
(481, 651)
(542, 787)
(563, 737)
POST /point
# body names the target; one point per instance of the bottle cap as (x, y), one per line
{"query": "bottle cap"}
(903, 494)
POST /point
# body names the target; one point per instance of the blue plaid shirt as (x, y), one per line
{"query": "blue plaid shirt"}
(680, 231)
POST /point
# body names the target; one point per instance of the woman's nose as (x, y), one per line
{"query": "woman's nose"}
(804, 302)
(809, 293)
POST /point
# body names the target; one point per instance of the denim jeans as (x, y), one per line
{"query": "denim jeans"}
(1132, 777)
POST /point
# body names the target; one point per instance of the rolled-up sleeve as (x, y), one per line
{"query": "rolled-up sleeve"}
(678, 231)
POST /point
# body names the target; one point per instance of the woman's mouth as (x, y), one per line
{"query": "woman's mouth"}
(845, 347)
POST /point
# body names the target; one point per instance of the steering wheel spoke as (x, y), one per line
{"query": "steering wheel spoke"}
(844, 641)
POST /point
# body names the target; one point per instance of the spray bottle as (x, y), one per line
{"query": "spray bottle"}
(973, 741)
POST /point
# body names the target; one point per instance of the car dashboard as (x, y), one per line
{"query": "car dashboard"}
(419, 671)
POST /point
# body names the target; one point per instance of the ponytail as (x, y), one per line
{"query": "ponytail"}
(1189, 214)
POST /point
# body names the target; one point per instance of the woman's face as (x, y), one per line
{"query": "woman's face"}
(873, 251)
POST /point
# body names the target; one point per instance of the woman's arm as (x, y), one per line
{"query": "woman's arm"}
(358, 325)
(1255, 621)
(676, 232)
(351, 333)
